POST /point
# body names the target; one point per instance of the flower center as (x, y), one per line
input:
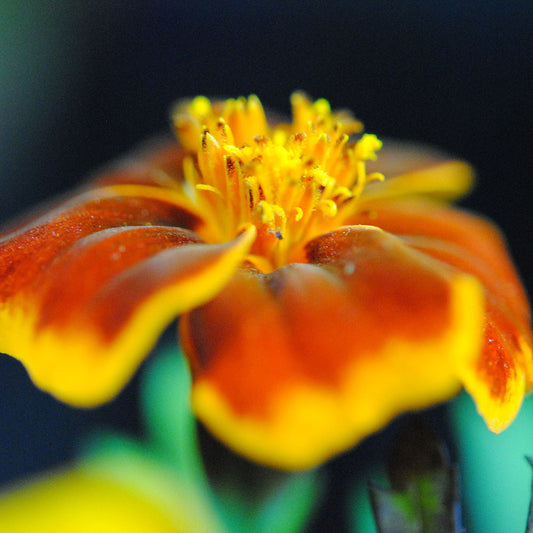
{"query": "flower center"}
(292, 181)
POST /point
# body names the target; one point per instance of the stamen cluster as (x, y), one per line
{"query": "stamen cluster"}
(292, 181)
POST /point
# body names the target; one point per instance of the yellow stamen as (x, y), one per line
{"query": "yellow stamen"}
(328, 207)
(267, 213)
(200, 107)
(204, 187)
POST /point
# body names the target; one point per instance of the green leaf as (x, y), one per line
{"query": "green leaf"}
(170, 423)
(423, 496)
(289, 507)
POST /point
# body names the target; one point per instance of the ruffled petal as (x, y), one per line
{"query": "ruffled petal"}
(82, 299)
(295, 366)
(505, 370)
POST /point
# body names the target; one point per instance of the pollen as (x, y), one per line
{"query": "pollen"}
(292, 181)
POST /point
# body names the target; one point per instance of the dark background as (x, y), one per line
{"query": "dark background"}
(83, 81)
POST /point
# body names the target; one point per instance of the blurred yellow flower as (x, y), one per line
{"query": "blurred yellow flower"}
(106, 495)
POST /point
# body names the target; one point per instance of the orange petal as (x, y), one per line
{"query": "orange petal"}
(82, 302)
(295, 366)
(473, 245)
(30, 248)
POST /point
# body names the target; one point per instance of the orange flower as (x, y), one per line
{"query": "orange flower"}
(318, 299)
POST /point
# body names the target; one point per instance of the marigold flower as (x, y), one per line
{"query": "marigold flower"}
(318, 298)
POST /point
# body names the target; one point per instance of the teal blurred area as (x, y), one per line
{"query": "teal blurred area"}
(496, 476)
(41, 64)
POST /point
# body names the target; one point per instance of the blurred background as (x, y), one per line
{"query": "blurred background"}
(82, 81)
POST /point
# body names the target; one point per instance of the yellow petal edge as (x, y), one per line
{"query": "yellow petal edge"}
(78, 367)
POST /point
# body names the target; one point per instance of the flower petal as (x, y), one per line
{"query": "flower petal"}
(157, 162)
(412, 169)
(473, 245)
(82, 302)
(370, 329)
